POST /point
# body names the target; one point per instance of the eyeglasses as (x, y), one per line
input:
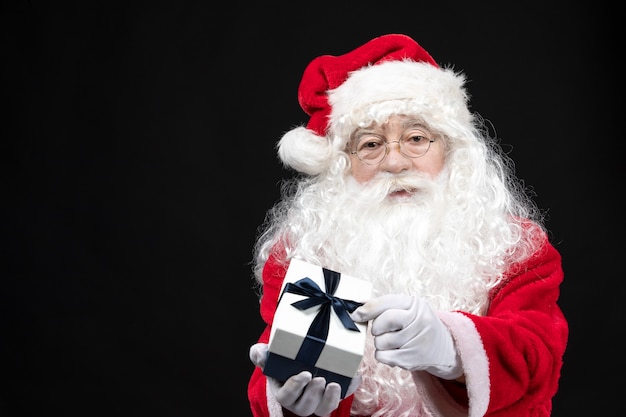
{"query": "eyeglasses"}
(372, 150)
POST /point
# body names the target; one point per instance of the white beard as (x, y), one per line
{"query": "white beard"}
(410, 245)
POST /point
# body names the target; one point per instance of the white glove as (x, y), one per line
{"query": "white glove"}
(302, 394)
(408, 334)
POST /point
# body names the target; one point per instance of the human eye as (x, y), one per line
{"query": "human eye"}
(369, 144)
(416, 139)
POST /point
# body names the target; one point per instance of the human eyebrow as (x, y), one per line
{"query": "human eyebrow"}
(360, 132)
(415, 124)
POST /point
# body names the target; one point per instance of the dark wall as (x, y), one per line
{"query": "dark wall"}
(139, 159)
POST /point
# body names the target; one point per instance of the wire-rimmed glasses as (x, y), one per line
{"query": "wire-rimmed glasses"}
(372, 150)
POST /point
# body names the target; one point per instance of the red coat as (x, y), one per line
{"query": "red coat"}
(512, 356)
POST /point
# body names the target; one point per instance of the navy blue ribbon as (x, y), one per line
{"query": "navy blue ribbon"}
(315, 340)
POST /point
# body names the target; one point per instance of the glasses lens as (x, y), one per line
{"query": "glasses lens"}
(415, 146)
(371, 150)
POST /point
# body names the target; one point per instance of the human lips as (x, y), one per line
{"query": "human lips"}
(403, 192)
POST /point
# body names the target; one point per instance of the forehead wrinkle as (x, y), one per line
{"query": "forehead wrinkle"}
(406, 122)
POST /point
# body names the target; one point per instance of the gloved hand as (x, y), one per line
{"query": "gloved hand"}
(408, 334)
(302, 394)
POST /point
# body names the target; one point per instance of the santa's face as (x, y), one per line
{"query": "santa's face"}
(396, 130)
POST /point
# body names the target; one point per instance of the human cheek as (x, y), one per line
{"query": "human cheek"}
(363, 173)
(432, 165)
(432, 169)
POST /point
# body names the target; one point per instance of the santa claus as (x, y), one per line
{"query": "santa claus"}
(401, 185)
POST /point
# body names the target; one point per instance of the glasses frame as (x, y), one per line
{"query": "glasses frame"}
(430, 142)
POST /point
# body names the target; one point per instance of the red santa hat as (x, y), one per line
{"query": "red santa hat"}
(390, 74)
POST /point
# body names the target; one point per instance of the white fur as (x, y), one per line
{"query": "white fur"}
(304, 151)
(437, 89)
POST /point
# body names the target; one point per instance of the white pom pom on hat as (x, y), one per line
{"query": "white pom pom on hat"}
(335, 90)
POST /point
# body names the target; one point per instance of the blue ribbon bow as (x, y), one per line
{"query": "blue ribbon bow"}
(317, 333)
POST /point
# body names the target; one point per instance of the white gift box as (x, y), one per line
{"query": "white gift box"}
(311, 334)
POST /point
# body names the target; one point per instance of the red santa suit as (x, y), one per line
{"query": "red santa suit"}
(512, 356)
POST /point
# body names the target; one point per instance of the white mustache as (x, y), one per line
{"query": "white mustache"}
(377, 190)
(388, 183)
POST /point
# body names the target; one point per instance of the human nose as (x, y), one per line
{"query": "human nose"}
(395, 161)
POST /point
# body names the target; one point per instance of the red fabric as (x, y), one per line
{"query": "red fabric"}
(524, 334)
(328, 72)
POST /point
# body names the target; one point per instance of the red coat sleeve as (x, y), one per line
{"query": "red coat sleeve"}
(524, 335)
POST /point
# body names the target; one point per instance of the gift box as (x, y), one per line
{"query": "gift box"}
(312, 329)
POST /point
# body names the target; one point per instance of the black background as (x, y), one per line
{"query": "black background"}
(138, 147)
